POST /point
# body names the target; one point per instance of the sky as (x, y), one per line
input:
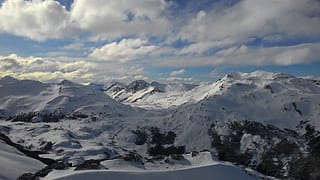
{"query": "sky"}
(190, 41)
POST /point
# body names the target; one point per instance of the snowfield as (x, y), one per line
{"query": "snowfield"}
(213, 172)
(14, 163)
(201, 166)
(265, 121)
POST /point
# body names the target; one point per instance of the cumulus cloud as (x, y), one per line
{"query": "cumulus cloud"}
(288, 55)
(75, 46)
(143, 33)
(75, 69)
(251, 18)
(203, 46)
(36, 20)
(44, 69)
(9, 63)
(125, 50)
(250, 55)
(103, 19)
(188, 80)
(178, 72)
(107, 19)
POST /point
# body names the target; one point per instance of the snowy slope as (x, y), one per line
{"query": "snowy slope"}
(213, 172)
(24, 96)
(191, 167)
(272, 98)
(14, 163)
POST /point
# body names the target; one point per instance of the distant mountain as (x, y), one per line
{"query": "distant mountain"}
(33, 99)
(96, 86)
(265, 121)
(147, 95)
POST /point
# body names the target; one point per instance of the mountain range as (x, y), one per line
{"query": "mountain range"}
(245, 125)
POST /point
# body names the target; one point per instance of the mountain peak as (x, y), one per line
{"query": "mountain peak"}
(8, 79)
(96, 86)
(67, 83)
(137, 85)
(258, 75)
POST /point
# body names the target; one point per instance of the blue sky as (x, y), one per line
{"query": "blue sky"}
(163, 40)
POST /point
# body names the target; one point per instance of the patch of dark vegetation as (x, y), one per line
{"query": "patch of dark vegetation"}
(269, 88)
(32, 154)
(256, 128)
(89, 164)
(194, 153)
(159, 144)
(142, 137)
(162, 139)
(281, 153)
(271, 163)
(24, 117)
(58, 165)
(160, 150)
(77, 115)
(308, 167)
(27, 176)
(47, 147)
(177, 157)
(158, 158)
(133, 157)
(51, 117)
(37, 117)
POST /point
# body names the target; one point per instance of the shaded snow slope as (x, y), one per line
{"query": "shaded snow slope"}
(211, 172)
(14, 163)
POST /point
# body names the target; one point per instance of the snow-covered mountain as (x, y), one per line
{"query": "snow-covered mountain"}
(22, 97)
(265, 121)
(148, 95)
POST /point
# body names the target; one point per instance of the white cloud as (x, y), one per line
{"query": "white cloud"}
(287, 55)
(103, 19)
(76, 69)
(223, 29)
(36, 20)
(107, 19)
(252, 18)
(249, 55)
(125, 50)
(203, 46)
(74, 46)
(178, 72)
(45, 69)
(188, 80)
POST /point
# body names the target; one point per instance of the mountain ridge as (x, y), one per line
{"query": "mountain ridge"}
(244, 118)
